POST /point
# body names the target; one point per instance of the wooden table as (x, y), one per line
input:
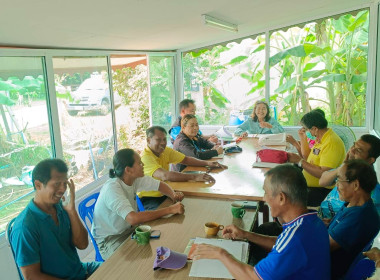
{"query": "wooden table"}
(132, 261)
(240, 181)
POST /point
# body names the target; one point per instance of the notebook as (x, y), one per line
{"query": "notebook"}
(214, 268)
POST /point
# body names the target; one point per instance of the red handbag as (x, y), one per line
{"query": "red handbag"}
(269, 155)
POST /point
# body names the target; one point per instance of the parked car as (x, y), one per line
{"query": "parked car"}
(92, 95)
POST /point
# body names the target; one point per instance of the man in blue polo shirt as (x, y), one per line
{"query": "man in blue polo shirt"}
(46, 234)
(357, 223)
(301, 251)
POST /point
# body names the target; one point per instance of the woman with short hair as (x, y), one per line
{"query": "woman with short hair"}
(189, 143)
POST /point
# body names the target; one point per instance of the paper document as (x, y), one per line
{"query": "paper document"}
(224, 134)
(214, 268)
(272, 139)
(233, 144)
(265, 164)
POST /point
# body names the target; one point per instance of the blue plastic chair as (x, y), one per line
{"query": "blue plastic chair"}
(86, 212)
(361, 267)
(140, 206)
(8, 237)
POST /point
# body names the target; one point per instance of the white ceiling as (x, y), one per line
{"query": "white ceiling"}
(149, 24)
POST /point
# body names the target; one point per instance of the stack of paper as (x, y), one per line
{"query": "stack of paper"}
(214, 268)
(272, 139)
(224, 134)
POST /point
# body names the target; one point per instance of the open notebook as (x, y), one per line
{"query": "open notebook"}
(214, 268)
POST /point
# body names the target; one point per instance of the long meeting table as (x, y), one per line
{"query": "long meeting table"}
(133, 261)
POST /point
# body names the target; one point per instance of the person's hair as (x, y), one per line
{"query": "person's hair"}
(42, 171)
(374, 142)
(185, 103)
(358, 169)
(314, 118)
(122, 159)
(152, 130)
(318, 110)
(288, 179)
(254, 117)
(186, 119)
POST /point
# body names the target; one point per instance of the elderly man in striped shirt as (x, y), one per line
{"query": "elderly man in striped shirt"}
(301, 251)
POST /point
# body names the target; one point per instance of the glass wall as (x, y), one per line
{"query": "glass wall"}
(24, 131)
(322, 64)
(130, 84)
(162, 90)
(225, 81)
(84, 107)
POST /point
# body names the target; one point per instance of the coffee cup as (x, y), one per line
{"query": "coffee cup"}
(212, 228)
(142, 234)
(237, 211)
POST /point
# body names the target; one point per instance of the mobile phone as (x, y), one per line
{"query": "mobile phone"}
(155, 234)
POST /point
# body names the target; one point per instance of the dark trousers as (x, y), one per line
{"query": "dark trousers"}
(315, 196)
(152, 203)
(257, 253)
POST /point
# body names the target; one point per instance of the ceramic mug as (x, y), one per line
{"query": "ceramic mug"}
(142, 234)
(212, 228)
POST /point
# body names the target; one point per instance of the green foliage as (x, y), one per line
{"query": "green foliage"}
(132, 86)
(331, 56)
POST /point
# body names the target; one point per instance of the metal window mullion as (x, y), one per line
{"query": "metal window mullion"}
(267, 70)
(52, 108)
(113, 116)
(149, 92)
(180, 94)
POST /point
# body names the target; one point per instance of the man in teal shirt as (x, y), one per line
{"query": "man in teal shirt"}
(46, 234)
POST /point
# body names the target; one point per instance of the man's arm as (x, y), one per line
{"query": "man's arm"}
(313, 169)
(173, 176)
(168, 191)
(333, 244)
(328, 178)
(237, 269)
(264, 241)
(135, 218)
(79, 233)
(33, 271)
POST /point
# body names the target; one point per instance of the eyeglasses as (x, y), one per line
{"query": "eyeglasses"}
(341, 180)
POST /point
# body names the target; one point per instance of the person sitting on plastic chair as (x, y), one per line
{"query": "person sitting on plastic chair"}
(115, 213)
(47, 232)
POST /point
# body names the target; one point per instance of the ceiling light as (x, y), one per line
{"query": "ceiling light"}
(218, 23)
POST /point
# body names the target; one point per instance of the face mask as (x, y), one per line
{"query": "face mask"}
(311, 137)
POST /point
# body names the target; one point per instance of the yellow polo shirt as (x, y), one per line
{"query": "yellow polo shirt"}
(329, 152)
(152, 163)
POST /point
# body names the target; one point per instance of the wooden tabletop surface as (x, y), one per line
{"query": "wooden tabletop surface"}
(132, 261)
(239, 181)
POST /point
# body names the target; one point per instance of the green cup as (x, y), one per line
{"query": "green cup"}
(237, 211)
(142, 234)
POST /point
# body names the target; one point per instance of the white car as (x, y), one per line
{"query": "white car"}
(92, 95)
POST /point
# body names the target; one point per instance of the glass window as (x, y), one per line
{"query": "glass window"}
(130, 85)
(24, 131)
(322, 64)
(84, 107)
(225, 81)
(162, 90)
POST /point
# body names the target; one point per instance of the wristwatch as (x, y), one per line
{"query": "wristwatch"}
(300, 163)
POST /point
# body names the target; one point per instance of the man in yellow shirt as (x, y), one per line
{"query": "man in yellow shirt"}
(327, 153)
(157, 157)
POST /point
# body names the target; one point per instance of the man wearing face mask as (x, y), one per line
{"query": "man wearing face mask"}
(327, 153)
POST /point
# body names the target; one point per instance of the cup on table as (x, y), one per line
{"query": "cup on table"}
(237, 211)
(212, 228)
(142, 234)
